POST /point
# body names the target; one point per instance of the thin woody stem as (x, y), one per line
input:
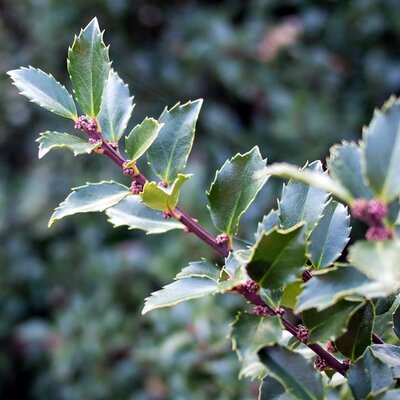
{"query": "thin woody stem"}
(194, 227)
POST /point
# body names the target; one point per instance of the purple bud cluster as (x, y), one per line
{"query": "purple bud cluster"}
(319, 363)
(372, 212)
(303, 333)
(250, 286)
(262, 311)
(280, 311)
(167, 215)
(136, 188)
(87, 125)
(330, 347)
(222, 239)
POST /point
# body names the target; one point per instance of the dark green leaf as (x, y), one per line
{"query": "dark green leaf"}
(379, 261)
(88, 66)
(44, 90)
(56, 140)
(141, 137)
(359, 333)
(382, 151)
(131, 212)
(278, 257)
(369, 376)
(330, 236)
(302, 202)
(90, 198)
(169, 153)
(314, 178)
(389, 354)
(329, 323)
(160, 198)
(293, 371)
(269, 221)
(327, 287)
(234, 189)
(116, 108)
(344, 165)
(270, 389)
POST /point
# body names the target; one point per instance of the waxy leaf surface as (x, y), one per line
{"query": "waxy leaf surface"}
(44, 90)
(56, 140)
(302, 202)
(344, 165)
(89, 66)
(131, 212)
(141, 138)
(292, 371)
(270, 389)
(234, 189)
(268, 222)
(116, 108)
(91, 197)
(330, 236)
(382, 151)
(169, 153)
(278, 257)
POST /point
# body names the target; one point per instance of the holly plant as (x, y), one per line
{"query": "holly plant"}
(320, 318)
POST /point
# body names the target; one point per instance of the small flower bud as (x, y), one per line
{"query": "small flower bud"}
(262, 311)
(280, 311)
(377, 210)
(250, 286)
(319, 363)
(378, 232)
(222, 239)
(136, 188)
(330, 347)
(167, 215)
(128, 171)
(359, 208)
(303, 333)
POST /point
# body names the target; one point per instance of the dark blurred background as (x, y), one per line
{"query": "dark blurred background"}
(293, 77)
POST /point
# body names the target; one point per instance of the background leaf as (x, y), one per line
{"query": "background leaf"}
(44, 90)
(234, 189)
(358, 336)
(302, 202)
(169, 153)
(88, 66)
(131, 212)
(141, 138)
(277, 257)
(271, 389)
(268, 222)
(344, 164)
(382, 151)
(54, 140)
(330, 236)
(116, 108)
(293, 371)
(90, 198)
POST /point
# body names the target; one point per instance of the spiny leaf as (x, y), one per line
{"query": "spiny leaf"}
(169, 153)
(91, 197)
(330, 323)
(131, 212)
(160, 198)
(278, 257)
(382, 151)
(268, 222)
(44, 90)
(116, 108)
(379, 261)
(329, 286)
(369, 376)
(141, 138)
(344, 164)
(234, 189)
(302, 202)
(358, 335)
(292, 371)
(55, 140)
(330, 236)
(88, 66)
(313, 178)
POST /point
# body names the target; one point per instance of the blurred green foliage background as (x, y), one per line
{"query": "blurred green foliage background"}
(291, 76)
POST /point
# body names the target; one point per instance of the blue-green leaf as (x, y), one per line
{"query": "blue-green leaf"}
(268, 222)
(116, 108)
(330, 236)
(88, 66)
(234, 189)
(91, 197)
(169, 153)
(56, 140)
(44, 90)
